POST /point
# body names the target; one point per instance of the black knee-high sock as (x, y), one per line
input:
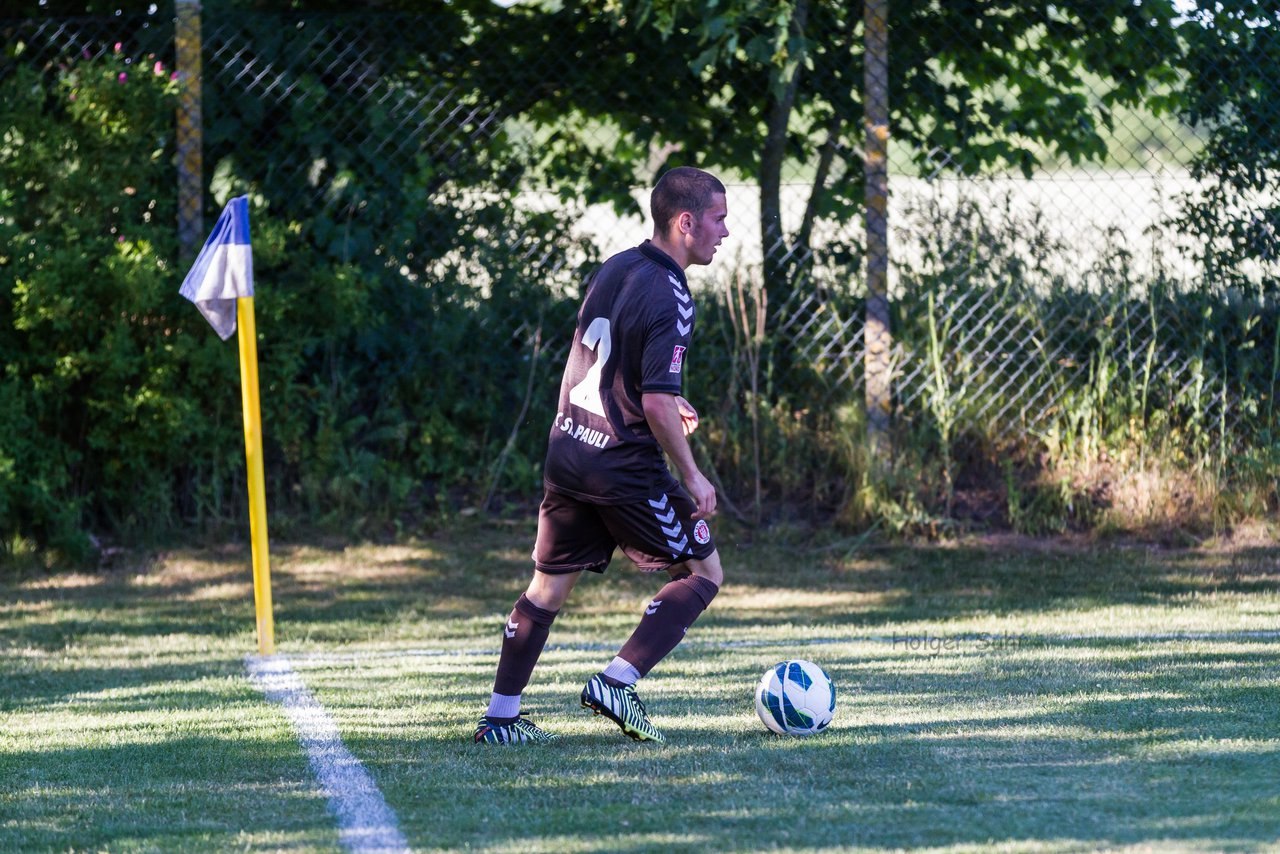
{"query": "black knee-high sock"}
(522, 640)
(666, 619)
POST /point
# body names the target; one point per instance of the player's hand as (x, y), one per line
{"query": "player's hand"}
(688, 415)
(703, 494)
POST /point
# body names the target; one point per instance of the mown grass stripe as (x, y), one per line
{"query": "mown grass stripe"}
(365, 823)
(897, 639)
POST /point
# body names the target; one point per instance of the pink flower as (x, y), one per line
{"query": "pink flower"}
(119, 45)
(123, 77)
(173, 76)
(158, 69)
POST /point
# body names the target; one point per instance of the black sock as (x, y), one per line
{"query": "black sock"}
(523, 637)
(666, 619)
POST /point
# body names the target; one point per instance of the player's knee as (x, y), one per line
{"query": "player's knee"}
(708, 568)
(550, 591)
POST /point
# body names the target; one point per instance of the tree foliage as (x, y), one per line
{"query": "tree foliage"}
(376, 278)
(94, 359)
(770, 90)
(408, 295)
(1234, 219)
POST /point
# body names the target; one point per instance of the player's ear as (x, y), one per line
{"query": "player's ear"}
(685, 222)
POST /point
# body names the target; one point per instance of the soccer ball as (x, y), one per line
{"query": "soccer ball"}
(796, 698)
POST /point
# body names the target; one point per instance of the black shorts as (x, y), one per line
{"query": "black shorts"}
(655, 532)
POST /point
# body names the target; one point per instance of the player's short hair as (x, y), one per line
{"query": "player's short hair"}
(683, 188)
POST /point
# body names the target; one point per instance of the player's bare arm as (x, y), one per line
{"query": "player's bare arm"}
(662, 411)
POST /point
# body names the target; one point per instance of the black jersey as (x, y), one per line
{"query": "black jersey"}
(634, 329)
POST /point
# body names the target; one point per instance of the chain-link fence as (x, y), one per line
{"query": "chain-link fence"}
(1035, 286)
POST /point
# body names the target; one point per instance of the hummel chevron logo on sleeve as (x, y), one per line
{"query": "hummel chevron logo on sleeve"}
(683, 328)
(653, 607)
(511, 629)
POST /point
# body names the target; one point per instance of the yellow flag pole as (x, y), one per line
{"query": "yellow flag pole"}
(248, 337)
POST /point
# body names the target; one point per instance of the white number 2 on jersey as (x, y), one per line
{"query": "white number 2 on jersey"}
(587, 393)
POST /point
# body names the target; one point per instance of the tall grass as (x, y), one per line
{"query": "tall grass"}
(1029, 393)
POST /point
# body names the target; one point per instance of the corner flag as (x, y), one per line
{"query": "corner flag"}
(223, 271)
(221, 286)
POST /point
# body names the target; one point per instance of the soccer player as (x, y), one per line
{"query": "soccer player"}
(607, 484)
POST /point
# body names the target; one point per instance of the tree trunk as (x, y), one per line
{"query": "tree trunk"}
(773, 238)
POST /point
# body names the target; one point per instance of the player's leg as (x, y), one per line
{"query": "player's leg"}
(549, 590)
(668, 617)
(661, 535)
(523, 637)
(569, 541)
(709, 569)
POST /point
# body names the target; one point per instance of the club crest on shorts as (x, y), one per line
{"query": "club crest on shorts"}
(702, 532)
(677, 360)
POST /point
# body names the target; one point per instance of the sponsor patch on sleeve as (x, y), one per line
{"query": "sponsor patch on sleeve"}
(677, 360)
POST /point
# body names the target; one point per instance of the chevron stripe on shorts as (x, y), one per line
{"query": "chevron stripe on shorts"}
(671, 528)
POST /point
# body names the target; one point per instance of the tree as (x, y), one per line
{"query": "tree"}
(1234, 219)
(770, 90)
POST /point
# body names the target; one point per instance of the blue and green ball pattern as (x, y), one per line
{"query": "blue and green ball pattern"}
(796, 698)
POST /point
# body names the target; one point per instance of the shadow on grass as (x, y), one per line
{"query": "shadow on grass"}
(342, 596)
(123, 688)
(138, 791)
(1032, 746)
(216, 598)
(1158, 747)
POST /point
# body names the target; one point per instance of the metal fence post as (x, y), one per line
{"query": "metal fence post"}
(876, 332)
(190, 137)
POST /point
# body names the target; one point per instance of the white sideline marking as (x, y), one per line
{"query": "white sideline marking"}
(357, 656)
(365, 822)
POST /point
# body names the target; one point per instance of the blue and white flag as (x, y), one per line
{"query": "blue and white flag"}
(223, 271)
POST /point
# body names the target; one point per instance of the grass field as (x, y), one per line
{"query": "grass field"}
(993, 696)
